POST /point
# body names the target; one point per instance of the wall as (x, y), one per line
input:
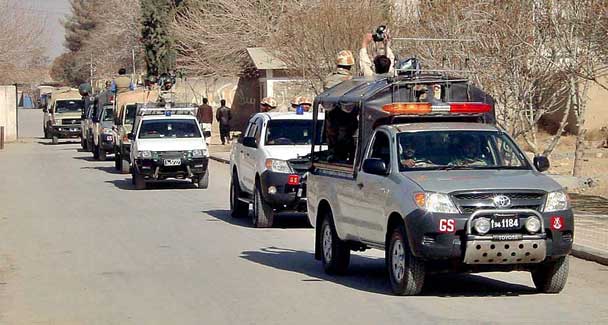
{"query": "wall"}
(8, 112)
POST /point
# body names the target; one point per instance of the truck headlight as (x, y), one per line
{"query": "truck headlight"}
(532, 225)
(557, 201)
(435, 202)
(278, 166)
(199, 153)
(144, 154)
(481, 225)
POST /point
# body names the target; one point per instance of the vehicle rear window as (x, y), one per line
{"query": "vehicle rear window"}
(130, 114)
(291, 132)
(107, 114)
(169, 128)
(65, 106)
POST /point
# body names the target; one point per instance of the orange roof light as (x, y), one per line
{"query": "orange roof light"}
(473, 108)
(407, 108)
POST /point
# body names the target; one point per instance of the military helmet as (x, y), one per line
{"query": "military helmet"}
(268, 101)
(296, 101)
(305, 100)
(345, 58)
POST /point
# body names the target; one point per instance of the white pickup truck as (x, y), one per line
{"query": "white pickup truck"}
(265, 165)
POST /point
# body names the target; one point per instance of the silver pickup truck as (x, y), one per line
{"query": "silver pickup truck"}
(435, 184)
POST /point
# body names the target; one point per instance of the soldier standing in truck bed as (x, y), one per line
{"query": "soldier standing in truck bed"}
(344, 62)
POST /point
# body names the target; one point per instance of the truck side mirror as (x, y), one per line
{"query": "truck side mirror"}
(250, 142)
(541, 163)
(375, 166)
(130, 136)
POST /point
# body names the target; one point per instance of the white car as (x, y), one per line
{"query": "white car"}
(265, 166)
(168, 143)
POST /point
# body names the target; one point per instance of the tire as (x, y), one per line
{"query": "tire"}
(101, 154)
(238, 208)
(203, 183)
(46, 133)
(551, 277)
(117, 160)
(90, 145)
(55, 139)
(83, 143)
(405, 271)
(139, 181)
(335, 253)
(95, 151)
(263, 216)
(125, 168)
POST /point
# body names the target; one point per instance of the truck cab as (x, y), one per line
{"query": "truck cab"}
(63, 114)
(437, 185)
(167, 143)
(266, 166)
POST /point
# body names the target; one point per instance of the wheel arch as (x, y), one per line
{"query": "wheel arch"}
(322, 209)
(395, 219)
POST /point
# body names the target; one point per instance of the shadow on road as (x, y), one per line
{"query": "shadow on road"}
(281, 221)
(58, 144)
(107, 169)
(589, 203)
(92, 159)
(369, 274)
(126, 184)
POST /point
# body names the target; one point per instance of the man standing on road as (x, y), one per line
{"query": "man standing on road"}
(204, 114)
(122, 83)
(224, 116)
(344, 62)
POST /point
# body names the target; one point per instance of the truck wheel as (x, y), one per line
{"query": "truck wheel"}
(139, 181)
(335, 252)
(124, 166)
(117, 160)
(237, 207)
(263, 216)
(405, 271)
(55, 139)
(91, 145)
(95, 151)
(101, 154)
(203, 182)
(46, 133)
(83, 143)
(551, 277)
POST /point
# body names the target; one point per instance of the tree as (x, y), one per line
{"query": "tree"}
(157, 39)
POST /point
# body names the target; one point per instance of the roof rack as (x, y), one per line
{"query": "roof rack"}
(168, 111)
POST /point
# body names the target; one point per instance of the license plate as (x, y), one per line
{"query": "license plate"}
(499, 222)
(299, 194)
(172, 162)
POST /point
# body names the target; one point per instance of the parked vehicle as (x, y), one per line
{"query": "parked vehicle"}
(63, 114)
(124, 116)
(168, 143)
(266, 167)
(435, 184)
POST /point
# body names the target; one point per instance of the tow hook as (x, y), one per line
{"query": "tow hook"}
(156, 172)
(189, 171)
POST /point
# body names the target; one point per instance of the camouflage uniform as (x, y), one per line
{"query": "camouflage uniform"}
(346, 59)
(268, 104)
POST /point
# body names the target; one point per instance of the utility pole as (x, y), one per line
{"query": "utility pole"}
(133, 62)
(91, 72)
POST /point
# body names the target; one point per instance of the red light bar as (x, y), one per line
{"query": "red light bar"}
(293, 180)
(471, 108)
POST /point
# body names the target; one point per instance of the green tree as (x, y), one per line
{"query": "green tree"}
(157, 38)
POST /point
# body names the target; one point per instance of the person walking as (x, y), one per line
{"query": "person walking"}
(204, 115)
(224, 116)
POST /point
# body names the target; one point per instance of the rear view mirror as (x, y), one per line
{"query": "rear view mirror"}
(250, 142)
(375, 166)
(541, 163)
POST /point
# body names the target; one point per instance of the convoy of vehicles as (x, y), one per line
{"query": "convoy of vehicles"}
(103, 135)
(167, 142)
(265, 166)
(62, 115)
(435, 184)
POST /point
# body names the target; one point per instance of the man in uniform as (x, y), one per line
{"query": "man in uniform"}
(122, 83)
(204, 115)
(224, 116)
(267, 104)
(344, 62)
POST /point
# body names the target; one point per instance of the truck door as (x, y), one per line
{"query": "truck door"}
(248, 155)
(373, 192)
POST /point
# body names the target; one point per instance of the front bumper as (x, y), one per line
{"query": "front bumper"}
(287, 197)
(107, 142)
(66, 131)
(430, 242)
(154, 169)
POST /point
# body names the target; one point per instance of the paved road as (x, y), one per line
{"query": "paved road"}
(79, 246)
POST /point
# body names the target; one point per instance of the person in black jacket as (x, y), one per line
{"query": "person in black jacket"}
(224, 116)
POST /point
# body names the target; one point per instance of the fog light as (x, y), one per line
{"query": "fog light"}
(532, 225)
(482, 225)
(272, 190)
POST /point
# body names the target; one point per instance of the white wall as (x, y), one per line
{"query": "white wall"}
(8, 112)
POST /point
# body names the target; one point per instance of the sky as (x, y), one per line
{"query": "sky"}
(53, 10)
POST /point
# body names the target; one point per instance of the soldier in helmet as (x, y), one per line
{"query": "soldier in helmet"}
(122, 83)
(268, 104)
(295, 102)
(344, 62)
(306, 103)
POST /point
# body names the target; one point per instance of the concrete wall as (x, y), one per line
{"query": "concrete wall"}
(8, 112)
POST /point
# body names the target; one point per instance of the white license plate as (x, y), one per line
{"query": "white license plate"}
(172, 162)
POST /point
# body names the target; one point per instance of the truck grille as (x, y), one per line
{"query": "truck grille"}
(469, 202)
(70, 121)
(170, 154)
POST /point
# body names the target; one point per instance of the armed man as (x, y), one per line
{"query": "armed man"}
(344, 63)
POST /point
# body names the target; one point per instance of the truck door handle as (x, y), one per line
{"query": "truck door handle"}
(360, 185)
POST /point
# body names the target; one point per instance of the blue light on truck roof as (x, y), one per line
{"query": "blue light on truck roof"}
(167, 113)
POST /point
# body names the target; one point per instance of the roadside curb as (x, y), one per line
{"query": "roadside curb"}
(218, 159)
(590, 254)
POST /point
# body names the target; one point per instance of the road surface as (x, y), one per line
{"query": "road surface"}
(78, 245)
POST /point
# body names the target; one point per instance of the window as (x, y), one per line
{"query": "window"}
(381, 148)
(107, 114)
(169, 128)
(292, 132)
(129, 112)
(66, 106)
(258, 129)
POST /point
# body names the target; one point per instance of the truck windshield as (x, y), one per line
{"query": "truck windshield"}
(107, 114)
(291, 132)
(130, 114)
(68, 106)
(152, 129)
(458, 150)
